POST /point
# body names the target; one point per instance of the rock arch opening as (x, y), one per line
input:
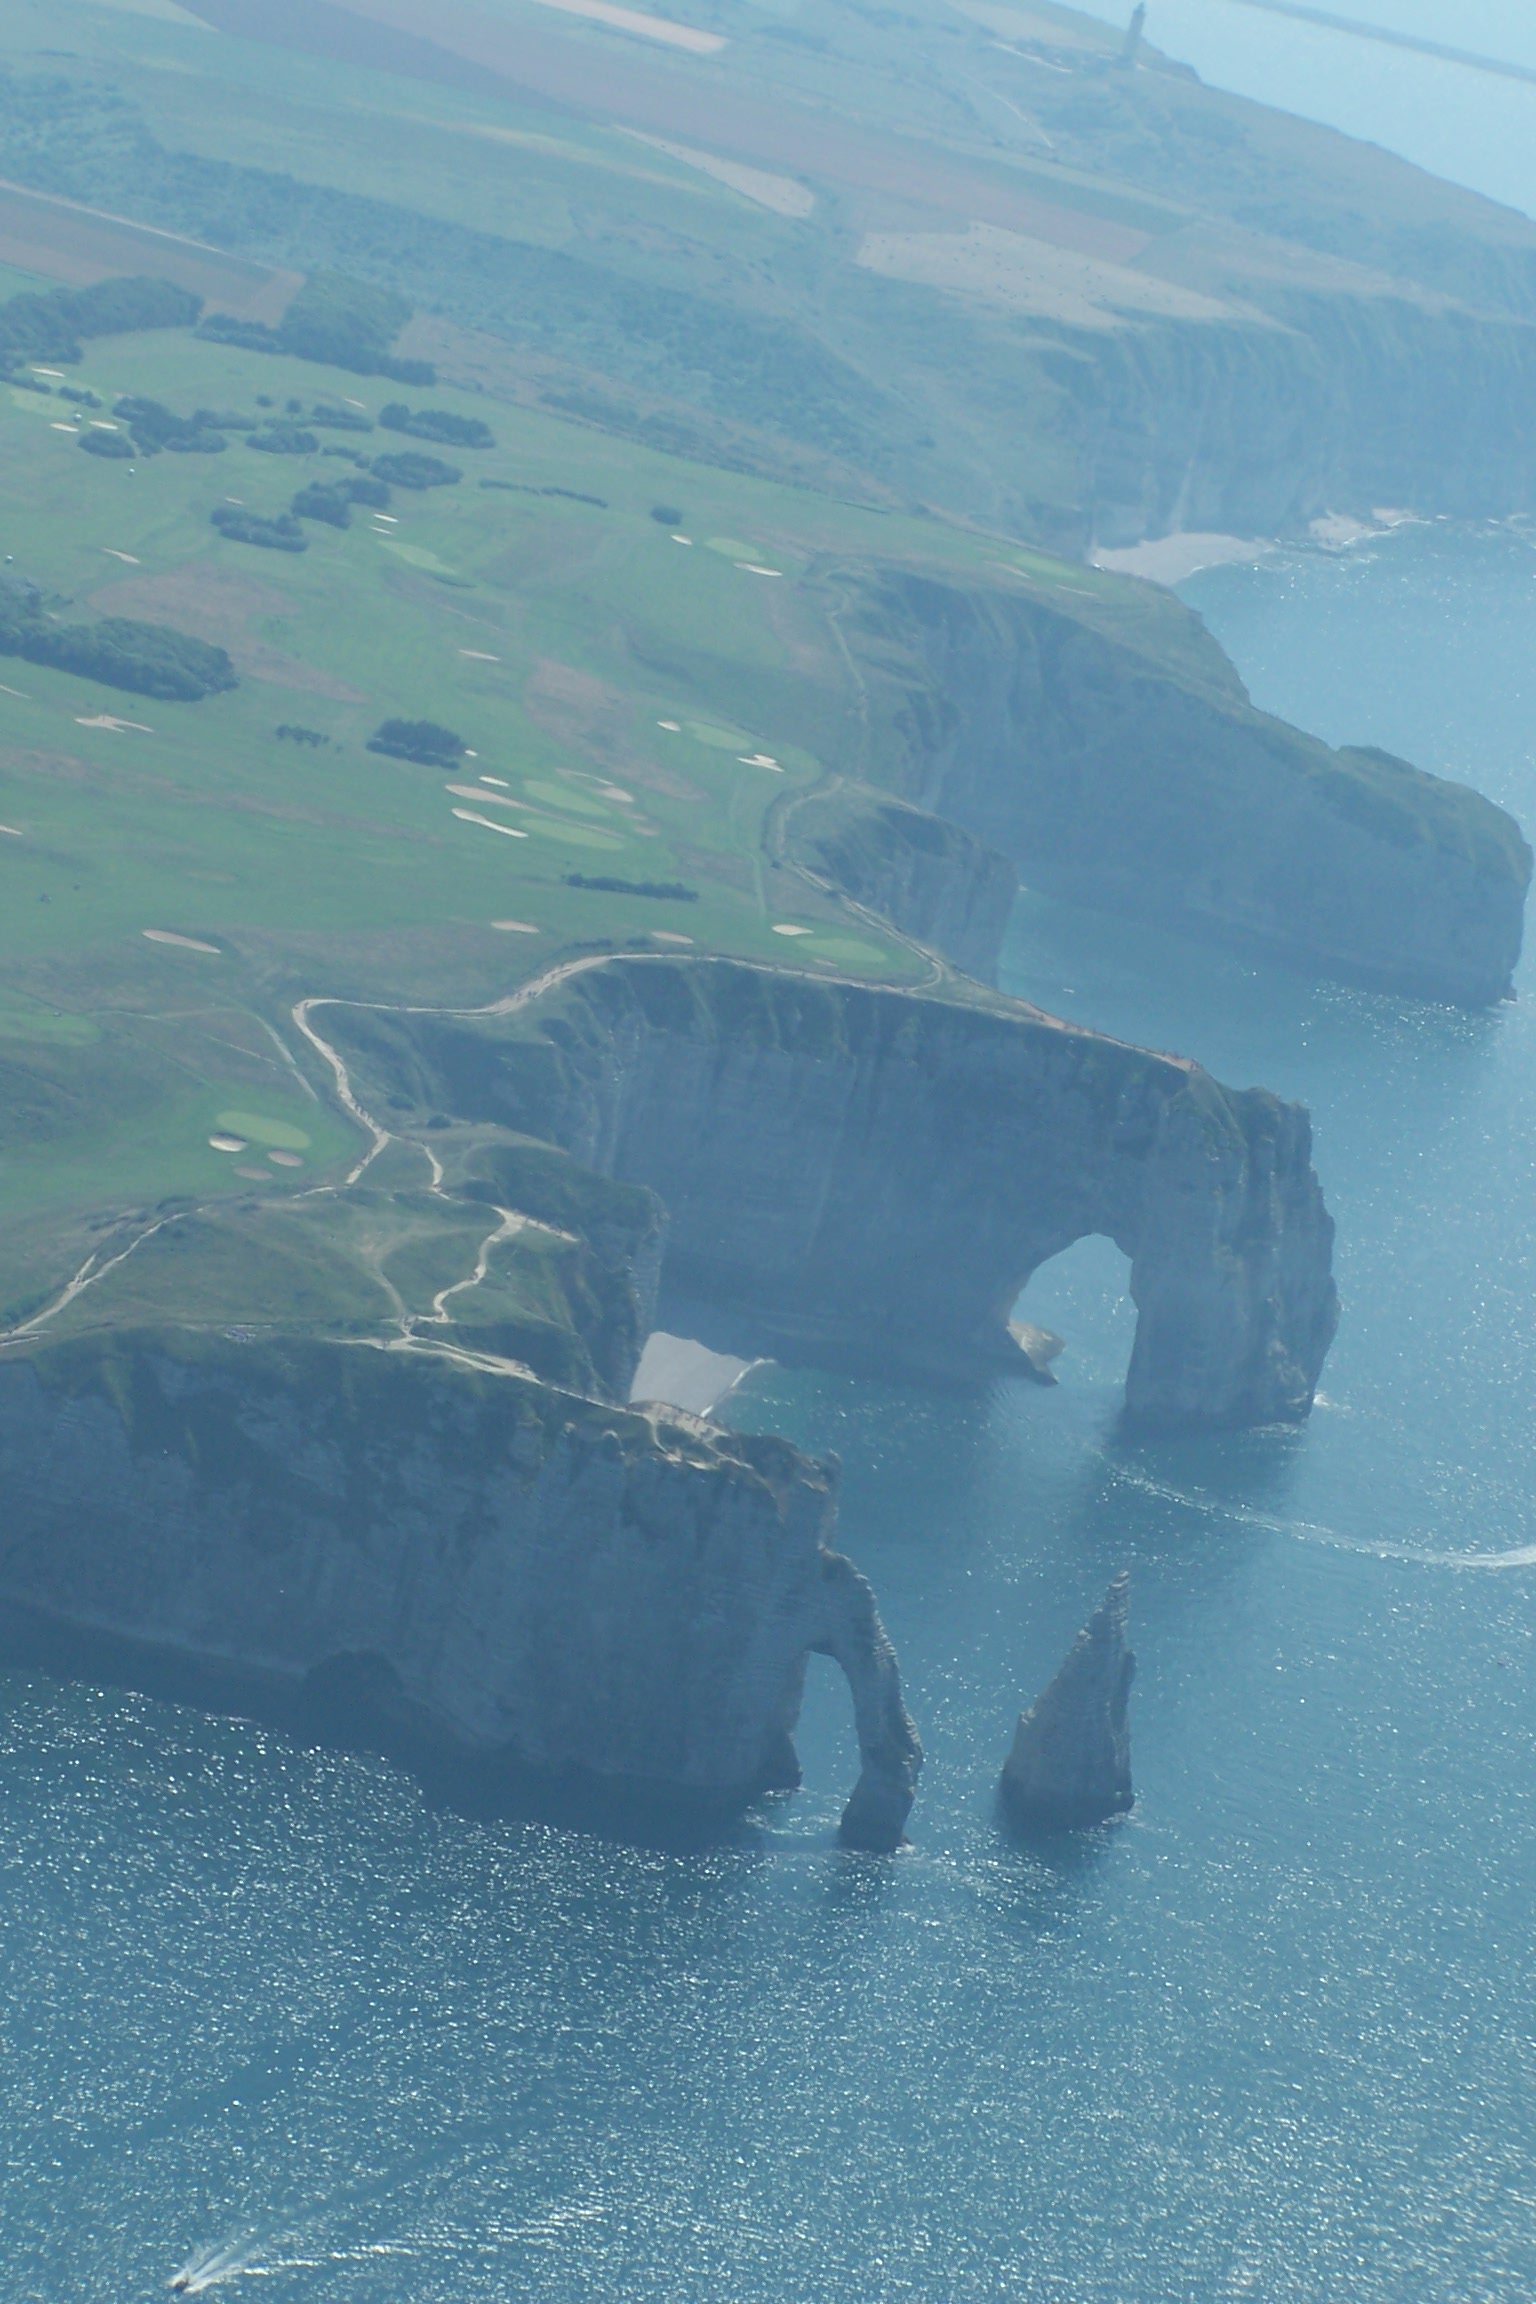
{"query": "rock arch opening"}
(1076, 1314)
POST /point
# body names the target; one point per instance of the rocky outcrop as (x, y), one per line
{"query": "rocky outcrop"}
(1070, 1765)
(931, 878)
(865, 1176)
(1119, 763)
(509, 1584)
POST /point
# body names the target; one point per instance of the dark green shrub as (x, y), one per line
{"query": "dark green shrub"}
(116, 445)
(424, 741)
(285, 440)
(155, 427)
(319, 502)
(672, 891)
(241, 527)
(414, 471)
(146, 659)
(437, 424)
(340, 419)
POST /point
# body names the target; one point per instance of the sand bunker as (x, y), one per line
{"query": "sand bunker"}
(258, 1129)
(517, 928)
(501, 799)
(115, 726)
(787, 928)
(669, 936)
(285, 1160)
(467, 816)
(112, 553)
(228, 1144)
(479, 656)
(183, 943)
(756, 568)
(11, 832)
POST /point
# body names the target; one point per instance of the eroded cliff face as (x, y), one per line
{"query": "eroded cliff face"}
(931, 878)
(1154, 789)
(1255, 423)
(870, 1176)
(514, 1581)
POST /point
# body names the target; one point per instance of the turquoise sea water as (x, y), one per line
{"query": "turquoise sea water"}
(1274, 2038)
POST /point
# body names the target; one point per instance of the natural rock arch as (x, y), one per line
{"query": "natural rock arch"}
(852, 1173)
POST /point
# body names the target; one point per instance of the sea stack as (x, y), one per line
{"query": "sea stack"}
(1071, 1760)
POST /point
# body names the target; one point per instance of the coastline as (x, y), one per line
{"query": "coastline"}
(1170, 560)
(676, 1372)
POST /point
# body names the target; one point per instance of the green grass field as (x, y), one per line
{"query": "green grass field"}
(177, 875)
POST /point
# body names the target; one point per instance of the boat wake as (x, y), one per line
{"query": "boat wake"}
(1427, 1555)
(212, 2267)
(244, 2260)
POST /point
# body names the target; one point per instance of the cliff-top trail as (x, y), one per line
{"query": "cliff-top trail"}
(549, 611)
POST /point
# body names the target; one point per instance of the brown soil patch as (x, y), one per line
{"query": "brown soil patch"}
(696, 101)
(79, 246)
(220, 605)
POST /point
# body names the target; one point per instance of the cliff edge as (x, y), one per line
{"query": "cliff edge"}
(514, 1585)
(853, 1175)
(1118, 762)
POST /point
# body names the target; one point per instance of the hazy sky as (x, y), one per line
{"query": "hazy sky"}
(1462, 124)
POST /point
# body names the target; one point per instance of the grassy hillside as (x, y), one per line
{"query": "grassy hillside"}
(948, 254)
(700, 372)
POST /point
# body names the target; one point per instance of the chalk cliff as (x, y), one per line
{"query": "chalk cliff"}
(926, 874)
(872, 1176)
(1070, 1765)
(509, 1583)
(1122, 766)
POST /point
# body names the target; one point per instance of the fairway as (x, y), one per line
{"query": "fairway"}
(177, 874)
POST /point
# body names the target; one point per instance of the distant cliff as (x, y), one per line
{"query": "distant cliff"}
(512, 1585)
(1126, 769)
(868, 1176)
(1254, 424)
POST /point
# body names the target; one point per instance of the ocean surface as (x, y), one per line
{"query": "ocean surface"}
(1272, 2038)
(1478, 128)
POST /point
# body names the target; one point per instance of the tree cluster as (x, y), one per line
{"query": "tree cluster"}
(53, 325)
(670, 891)
(282, 534)
(439, 424)
(332, 500)
(337, 322)
(413, 470)
(425, 741)
(156, 427)
(145, 659)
